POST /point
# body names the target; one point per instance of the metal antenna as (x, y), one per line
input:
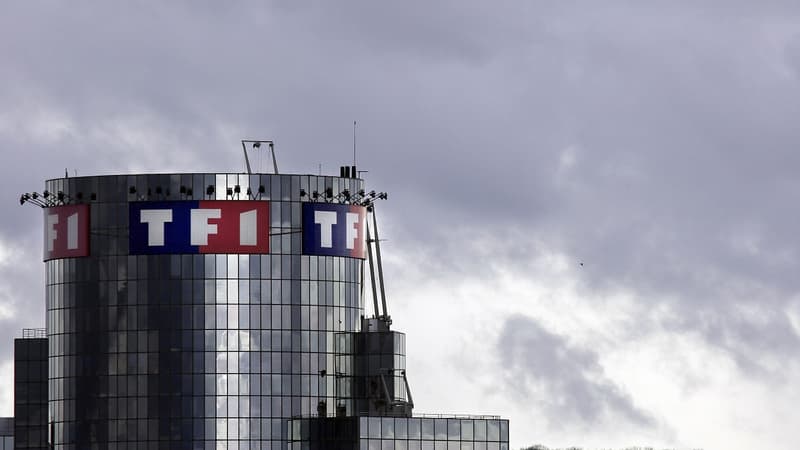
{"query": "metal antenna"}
(257, 144)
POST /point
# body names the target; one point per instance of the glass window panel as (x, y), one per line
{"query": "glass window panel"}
(233, 291)
(453, 429)
(441, 429)
(374, 427)
(480, 430)
(266, 270)
(222, 266)
(387, 428)
(401, 428)
(427, 429)
(413, 428)
(275, 265)
(466, 430)
(493, 430)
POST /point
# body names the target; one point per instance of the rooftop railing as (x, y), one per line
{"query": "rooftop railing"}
(34, 333)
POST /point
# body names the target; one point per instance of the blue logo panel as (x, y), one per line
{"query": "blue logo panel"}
(332, 229)
(160, 227)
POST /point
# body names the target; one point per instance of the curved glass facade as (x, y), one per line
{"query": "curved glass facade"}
(193, 351)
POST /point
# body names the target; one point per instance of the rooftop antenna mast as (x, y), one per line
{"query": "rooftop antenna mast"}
(257, 144)
(354, 146)
(377, 266)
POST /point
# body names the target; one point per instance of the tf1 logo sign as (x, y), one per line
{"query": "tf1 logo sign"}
(66, 231)
(334, 230)
(204, 226)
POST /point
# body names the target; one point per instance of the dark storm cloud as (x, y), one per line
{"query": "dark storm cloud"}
(543, 369)
(654, 142)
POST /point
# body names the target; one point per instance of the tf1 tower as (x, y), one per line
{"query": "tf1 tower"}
(226, 311)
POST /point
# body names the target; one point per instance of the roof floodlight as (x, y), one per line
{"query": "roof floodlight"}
(372, 194)
(189, 192)
(93, 196)
(237, 189)
(79, 196)
(261, 189)
(60, 196)
(315, 195)
(229, 191)
(329, 192)
(22, 199)
(132, 190)
(182, 190)
(256, 144)
(45, 193)
(302, 192)
(210, 189)
(249, 191)
(149, 192)
(34, 195)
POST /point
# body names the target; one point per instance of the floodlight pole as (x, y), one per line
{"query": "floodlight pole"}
(372, 274)
(380, 266)
(246, 159)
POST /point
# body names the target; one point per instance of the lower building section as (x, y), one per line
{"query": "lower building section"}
(6, 433)
(399, 433)
(30, 390)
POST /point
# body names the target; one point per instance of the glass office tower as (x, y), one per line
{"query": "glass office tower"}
(191, 350)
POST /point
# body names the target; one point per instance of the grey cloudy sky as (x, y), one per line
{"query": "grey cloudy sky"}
(653, 141)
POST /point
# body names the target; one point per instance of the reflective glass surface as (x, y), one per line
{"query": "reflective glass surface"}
(30, 393)
(190, 350)
(341, 433)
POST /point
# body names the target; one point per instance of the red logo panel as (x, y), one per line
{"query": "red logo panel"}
(231, 227)
(66, 232)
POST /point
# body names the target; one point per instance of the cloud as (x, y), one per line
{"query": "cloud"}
(544, 368)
